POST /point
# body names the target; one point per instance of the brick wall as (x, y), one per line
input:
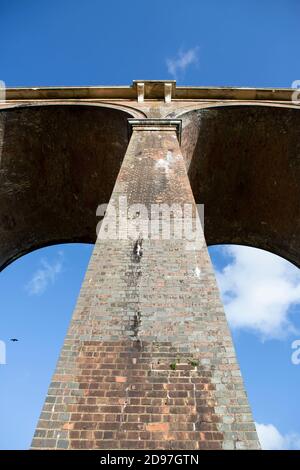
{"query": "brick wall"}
(148, 361)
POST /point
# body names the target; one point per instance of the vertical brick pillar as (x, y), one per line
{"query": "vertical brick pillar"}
(148, 361)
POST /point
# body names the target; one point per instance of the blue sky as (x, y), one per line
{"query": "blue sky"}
(205, 43)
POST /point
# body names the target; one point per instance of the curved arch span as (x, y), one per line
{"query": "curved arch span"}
(244, 166)
(57, 164)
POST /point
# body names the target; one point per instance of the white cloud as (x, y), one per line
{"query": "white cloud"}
(45, 275)
(258, 289)
(184, 59)
(271, 439)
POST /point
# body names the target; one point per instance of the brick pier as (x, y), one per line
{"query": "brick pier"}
(148, 361)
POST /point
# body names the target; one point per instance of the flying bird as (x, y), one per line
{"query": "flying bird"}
(14, 339)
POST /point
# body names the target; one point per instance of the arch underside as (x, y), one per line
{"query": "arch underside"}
(58, 163)
(244, 166)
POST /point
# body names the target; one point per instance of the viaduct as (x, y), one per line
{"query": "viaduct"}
(148, 360)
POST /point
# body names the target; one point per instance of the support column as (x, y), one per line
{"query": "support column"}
(148, 361)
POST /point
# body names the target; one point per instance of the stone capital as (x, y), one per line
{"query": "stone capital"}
(155, 125)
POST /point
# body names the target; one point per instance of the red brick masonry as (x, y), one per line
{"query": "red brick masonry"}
(148, 361)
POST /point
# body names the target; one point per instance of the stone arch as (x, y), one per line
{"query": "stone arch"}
(127, 108)
(243, 163)
(57, 164)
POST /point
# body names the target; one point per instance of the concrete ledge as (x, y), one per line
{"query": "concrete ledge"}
(154, 90)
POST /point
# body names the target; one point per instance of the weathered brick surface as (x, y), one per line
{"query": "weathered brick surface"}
(148, 361)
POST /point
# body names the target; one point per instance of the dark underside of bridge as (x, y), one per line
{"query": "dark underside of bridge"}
(59, 162)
